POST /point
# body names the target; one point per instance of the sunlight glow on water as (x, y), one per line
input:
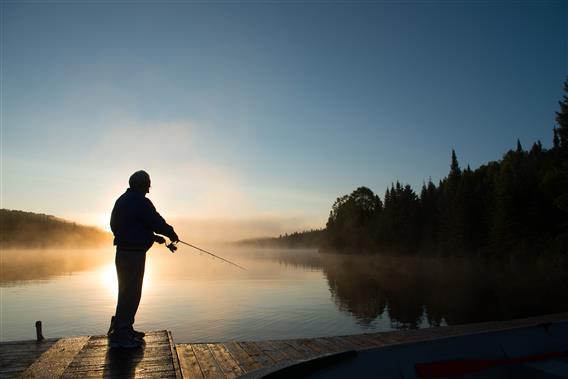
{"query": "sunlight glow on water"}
(108, 278)
(198, 298)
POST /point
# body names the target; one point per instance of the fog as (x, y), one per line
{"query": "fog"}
(225, 230)
(24, 265)
(31, 230)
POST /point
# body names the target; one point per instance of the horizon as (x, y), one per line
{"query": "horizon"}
(263, 114)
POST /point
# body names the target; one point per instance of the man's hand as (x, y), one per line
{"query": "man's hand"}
(174, 237)
(159, 239)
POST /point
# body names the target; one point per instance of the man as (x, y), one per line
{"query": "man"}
(133, 221)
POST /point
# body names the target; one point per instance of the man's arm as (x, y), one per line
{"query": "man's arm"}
(113, 220)
(159, 239)
(154, 221)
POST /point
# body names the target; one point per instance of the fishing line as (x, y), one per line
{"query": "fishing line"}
(172, 246)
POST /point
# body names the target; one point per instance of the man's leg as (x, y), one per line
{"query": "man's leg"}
(130, 271)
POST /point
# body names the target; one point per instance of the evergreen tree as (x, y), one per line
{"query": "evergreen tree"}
(536, 149)
(451, 222)
(454, 166)
(562, 119)
(399, 224)
(516, 204)
(555, 139)
(429, 219)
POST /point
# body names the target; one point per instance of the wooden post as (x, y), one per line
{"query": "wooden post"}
(39, 334)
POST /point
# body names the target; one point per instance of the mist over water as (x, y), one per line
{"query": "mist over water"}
(282, 294)
(21, 267)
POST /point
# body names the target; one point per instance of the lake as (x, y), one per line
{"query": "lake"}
(282, 294)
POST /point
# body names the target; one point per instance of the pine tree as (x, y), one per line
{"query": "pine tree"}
(555, 139)
(536, 149)
(562, 119)
(454, 167)
(387, 197)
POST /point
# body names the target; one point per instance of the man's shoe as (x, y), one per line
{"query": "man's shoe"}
(111, 327)
(123, 341)
(137, 334)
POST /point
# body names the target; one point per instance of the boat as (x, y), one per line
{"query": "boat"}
(539, 351)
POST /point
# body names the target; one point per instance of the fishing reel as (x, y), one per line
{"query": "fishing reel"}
(172, 247)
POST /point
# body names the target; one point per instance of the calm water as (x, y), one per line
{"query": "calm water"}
(283, 294)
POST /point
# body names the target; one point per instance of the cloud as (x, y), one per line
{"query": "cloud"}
(213, 191)
(131, 143)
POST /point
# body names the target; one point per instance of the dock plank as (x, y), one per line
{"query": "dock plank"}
(268, 349)
(154, 359)
(384, 339)
(207, 362)
(316, 346)
(17, 356)
(361, 342)
(246, 362)
(342, 344)
(257, 354)
(329, 346)
(173, 353)
(188, 362)
(287, 350)
(228, 365)
(125, 364)
(300, 346)
(53, 362)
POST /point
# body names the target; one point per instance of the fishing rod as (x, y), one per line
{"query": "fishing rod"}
(172, 246)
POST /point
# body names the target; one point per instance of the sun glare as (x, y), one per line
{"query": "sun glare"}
(103, 221)
(108, 279)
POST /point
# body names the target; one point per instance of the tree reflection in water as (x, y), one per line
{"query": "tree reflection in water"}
(429, 291)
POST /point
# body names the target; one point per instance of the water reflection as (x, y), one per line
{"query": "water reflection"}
(28, 265)
(429, 291)
(283, 293)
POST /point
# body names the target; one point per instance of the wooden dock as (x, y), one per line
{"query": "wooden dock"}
(90, 356)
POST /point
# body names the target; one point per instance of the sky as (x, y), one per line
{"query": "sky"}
(260, 114)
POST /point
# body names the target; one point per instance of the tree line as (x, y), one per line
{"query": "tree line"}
(517, 205)
(19, 229)
(306, 239)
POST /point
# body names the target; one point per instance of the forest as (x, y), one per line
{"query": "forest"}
(19, 229)
(305, 239)
(515, 206)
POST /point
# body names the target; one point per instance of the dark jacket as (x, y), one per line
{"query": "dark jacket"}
(134, 220)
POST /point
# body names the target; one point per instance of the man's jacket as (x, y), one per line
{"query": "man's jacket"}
(134, 220)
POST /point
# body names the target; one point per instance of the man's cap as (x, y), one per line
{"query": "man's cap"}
(139, 180)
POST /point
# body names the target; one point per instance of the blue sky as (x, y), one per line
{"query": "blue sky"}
(265, 110)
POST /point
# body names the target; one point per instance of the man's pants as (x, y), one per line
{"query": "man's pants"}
(130, 271)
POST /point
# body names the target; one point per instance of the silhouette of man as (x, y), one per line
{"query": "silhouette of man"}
(133, 221)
